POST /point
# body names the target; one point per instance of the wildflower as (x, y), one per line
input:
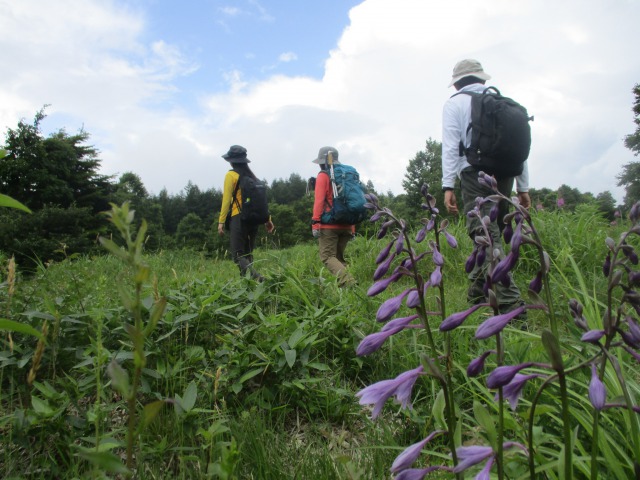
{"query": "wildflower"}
(496, 324)
(597, 390)
(436, 277)
(477, 364)
(373, 342)
(400, 243)
(413, 298)
(507, 233)
(471, 261)
(384, 253)
(390, 306)
(634, 330)
(451, 240)
(421, 235)
(513, 390)
(504, 374)
(378, 393)
(536, 284)
(493, 213)
(560, 202)
(411, 454)
(381, 285)
(505, 265)
(470, 456)
(438, 259)
(592, 336)
(455, 320)
(403, 321)
(482, 255)
(634, 213)
(383, 268)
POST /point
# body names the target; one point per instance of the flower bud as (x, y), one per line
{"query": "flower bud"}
(471, 261)
(383, 268)
(381, 285)
(384, 253)
(457, 319)
(436, 277)
(507, 233)
(597, 390)
(451, 240)
(606, 267)
(477, 364)
(504, 374)
(390, 307)
(592, 336)
(536, 284)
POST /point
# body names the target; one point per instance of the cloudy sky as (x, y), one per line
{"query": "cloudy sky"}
(164, 87)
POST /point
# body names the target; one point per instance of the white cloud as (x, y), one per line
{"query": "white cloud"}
(287, 57)
(571, 63)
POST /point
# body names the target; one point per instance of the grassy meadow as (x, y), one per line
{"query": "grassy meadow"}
(238, 379)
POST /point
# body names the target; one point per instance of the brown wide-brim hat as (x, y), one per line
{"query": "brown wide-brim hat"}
(236, 154)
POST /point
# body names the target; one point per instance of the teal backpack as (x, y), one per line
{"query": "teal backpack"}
(348, 199)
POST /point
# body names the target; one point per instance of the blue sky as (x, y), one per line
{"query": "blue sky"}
(165, 87)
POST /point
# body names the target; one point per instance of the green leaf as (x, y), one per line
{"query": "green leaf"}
(40, 406)
(190, 395)
(19, 328)
(319, 366)
(486, 421)
(438, 410)
(114, 248)
(106, 461)
(249, 374)
(119, 378)
(155, 315)
(6, 201)
(296, 337)
(244, 311)
(290, 356)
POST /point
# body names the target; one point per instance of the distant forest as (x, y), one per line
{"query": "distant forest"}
(58, 178)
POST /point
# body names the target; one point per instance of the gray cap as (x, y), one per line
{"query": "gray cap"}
(322, 155)
(236, 154)
(468, 68)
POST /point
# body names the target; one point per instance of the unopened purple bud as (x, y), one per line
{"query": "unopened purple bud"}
(376, 216)
(634, 330)
(436, 277)
(507, 233)
(471, 261)
(371, 197)
(384, 253)
(431, 223)
(421, 235)
(424, 190)
(455, 320)
(437, 257)
(401, 322)
(383, 268)
(413, 299)
(505, 265)
(381, 285)
(634, 213)
(494, 325)
(592, 336)
(634, 278)
(516, 239)
(411, 454)
(477, 364)
(373, 342)
(400, 243)
(504, 374)
(606, 268)
(597, 390)
(536, 284)
(451, 240)
(493, 213)
(390, 307)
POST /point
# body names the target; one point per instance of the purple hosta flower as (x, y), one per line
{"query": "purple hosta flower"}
(560, 202)
(630, 254)
(592, 336)
(371, 197)
(634, 330)
(513, 390)
(502, 269)
(411, 454)
(634, 278)
(373, 342)
(390, 307)
(482, 255)
(383, 268)
(633, 353)
(376, 216)
(402, 321)
(384, 228)
(471, 261)
(504, 374)
(494, 325)
(431, 223)
(384, 253)
(400, 243)
(413, 299)
(381, 285)
(597, 391)
(536, 284)
(488, 181)
(378, 393)
(507, 233)
(421, 235)
(477, 364)
(606, 267)
(437, 257)
(451, 240)
(419, 473)
(457, 319)
(516, 239)
(470, 456)
(493, 213)
(436, 277)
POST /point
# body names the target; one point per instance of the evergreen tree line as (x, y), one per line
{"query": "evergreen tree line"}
(58, 179)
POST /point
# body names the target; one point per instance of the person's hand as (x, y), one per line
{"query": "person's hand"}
(450, 202)
(221, 229)
(315, 232)
(525, 199)
(270, 227)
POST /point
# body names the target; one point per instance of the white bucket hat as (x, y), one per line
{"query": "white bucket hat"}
(468, 68)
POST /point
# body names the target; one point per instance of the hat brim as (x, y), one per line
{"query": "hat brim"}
(236, 159)
(481, 75)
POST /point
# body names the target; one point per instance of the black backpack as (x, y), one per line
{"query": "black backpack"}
(255, 208)
(500, 134)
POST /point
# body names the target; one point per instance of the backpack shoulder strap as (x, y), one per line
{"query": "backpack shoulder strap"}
(234, 196)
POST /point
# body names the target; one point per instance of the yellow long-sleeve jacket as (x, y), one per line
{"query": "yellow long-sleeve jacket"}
(230, 182)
